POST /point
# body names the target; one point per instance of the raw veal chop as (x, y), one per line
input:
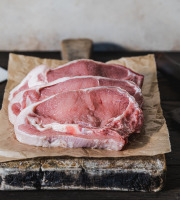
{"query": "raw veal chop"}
(43, 74)
(38, 93)
(100, 117)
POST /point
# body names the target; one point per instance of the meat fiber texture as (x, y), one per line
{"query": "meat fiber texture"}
(99, 117)
(51, 110)
(154, 136)
(43, 74)
(38, 93)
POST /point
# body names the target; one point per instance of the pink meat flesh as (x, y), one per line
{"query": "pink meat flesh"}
(101, 117)
(42, 74)
(89, 67)
(25, 98)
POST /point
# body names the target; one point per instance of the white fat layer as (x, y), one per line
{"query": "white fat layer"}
(67, 141)
(28, 101)
(33, 81)
(33, 73)
(54, 126)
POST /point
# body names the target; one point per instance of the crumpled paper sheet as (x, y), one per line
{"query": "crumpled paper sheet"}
(153, 140)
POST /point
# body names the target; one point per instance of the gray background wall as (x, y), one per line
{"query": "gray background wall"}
(132, 24)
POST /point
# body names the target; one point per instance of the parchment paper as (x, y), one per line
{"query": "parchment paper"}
(153, 140)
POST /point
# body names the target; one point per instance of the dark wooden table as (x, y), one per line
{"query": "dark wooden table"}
(169, 85)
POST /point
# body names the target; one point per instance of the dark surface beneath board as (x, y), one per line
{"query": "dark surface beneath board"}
(169, 85)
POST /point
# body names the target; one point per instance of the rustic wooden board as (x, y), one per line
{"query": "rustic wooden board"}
(76, 48)
(170, 102)
(121, 174)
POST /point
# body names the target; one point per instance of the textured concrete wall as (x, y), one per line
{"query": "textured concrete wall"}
(133, 24)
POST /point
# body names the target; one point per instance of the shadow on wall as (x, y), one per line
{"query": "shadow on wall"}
(107, 46)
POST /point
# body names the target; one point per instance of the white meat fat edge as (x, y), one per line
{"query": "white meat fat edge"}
(33, 73)
(57, 126)
(54, 126)
(43, 69)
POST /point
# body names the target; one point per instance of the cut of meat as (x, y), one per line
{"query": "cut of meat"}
(33, 78)
(90, 67)
(33, 95)
(43, 74)
(80, 104)
(100, 117)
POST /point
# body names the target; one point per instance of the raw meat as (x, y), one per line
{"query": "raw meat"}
(43, 74)
(27, 97)
(33, 78)
(100, 117)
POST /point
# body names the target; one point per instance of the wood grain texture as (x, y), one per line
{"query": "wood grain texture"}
(121, 174)
(73, 49)
(170, 98)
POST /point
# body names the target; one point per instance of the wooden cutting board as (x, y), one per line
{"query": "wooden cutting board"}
(143, 173)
